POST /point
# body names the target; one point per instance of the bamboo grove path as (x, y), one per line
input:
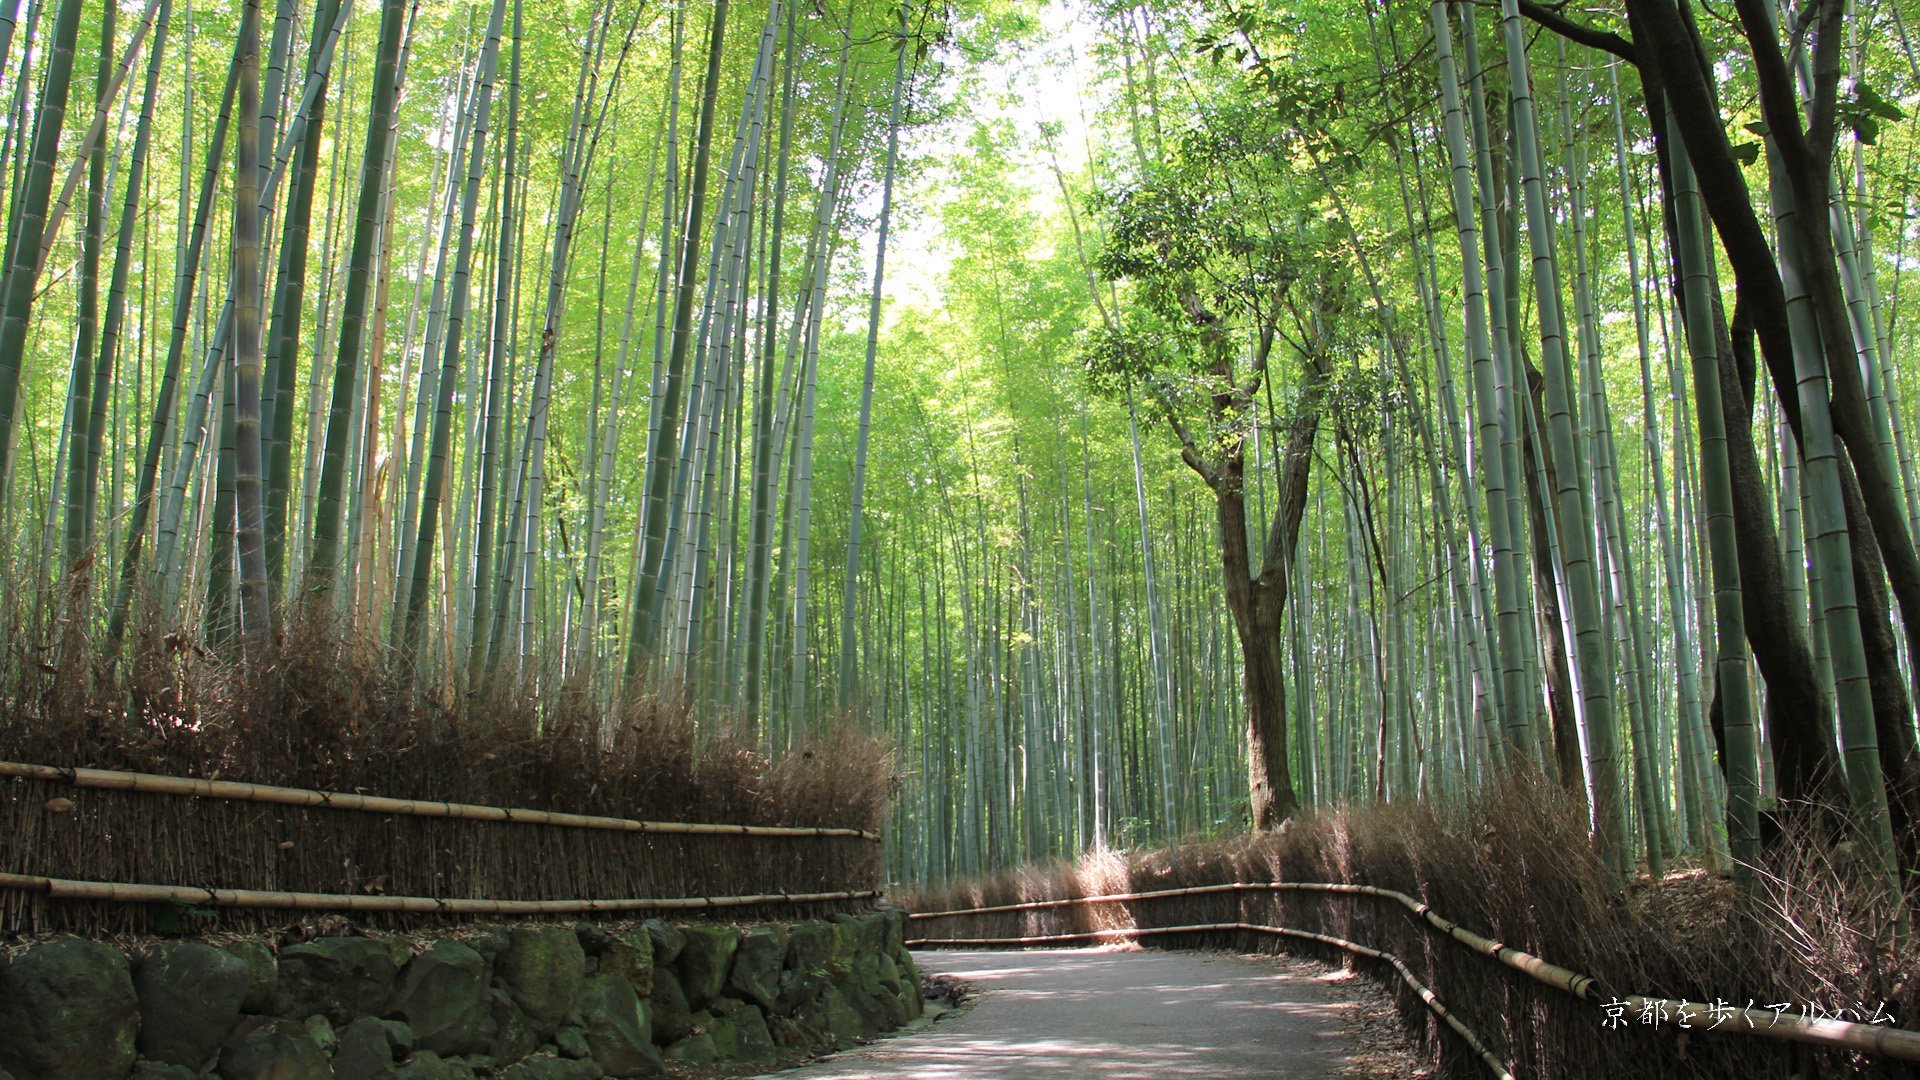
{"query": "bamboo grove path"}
(1055, 1014)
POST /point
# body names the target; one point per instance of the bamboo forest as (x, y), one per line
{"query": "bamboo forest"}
(1039, 432)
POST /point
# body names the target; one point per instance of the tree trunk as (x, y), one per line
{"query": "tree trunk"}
(1263, 658)
(1258, 603)
(1550, 633)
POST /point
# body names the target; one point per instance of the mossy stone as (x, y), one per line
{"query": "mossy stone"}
(696, 1050)
(871, 998)
(809, 946)
(427, 1065)
(725, 1024)
(752, 1041)
(190, 997)
(262, 1048)
(870, 930)
(755, 974)
(672, 1017)
(619, 1033)
(571, 1041)
(626, 953)
(844, 1022)
(442, 995)
(667, 940)
(338, 977)
(543, 970)
(793, 1034)
(491, 944)
(888, 972)
(894, 934)
(68, 1011)
(365, 1052)
(320, 1030)
(513, 1034)
(549, 1067)
(263, 973)
(705, 962)
(846, 946)
(798, 986)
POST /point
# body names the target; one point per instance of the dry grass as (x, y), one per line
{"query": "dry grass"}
(327, 709)
(1516, 865)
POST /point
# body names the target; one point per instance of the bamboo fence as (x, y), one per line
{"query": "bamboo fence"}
(112, 780)
(1832, 1033)
(99, 851)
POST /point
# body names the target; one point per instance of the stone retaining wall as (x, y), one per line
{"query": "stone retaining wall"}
(523, 1003)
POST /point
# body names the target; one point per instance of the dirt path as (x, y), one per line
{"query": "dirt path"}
(1117, 1015)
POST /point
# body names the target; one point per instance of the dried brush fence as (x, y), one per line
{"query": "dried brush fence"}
(1829, 1032)
(1501, 910)
(99, 851)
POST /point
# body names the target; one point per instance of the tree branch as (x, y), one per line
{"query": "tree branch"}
(1775, 82)
(1273, 581)
(1602, 40)
(1822, 110)
(1190, 452)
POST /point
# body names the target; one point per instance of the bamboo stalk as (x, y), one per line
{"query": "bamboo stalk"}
(118, 892)
(149, 783)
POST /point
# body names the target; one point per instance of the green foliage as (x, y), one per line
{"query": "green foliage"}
(172, 918)
(1863, 110)
(1191, 181)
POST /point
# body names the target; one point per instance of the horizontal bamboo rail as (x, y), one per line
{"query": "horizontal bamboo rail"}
(1580, 986)
(1427, 996)
(149, 783)
(1072, 901)
(1901, 1043)
(115, 892)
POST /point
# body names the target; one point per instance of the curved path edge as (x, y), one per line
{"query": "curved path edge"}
(1056, 1014)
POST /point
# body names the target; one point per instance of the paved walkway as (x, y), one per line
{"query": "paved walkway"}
(1064, 1013)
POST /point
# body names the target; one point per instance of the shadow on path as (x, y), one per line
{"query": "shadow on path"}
(1117, 1015)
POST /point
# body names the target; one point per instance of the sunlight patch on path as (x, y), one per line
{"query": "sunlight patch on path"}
(1126, 1015)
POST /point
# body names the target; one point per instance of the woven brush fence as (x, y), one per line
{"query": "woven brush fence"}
(97, 852)
(1516, 869)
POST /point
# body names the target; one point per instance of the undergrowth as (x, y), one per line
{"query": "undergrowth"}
(325, 707)
(1514, 863)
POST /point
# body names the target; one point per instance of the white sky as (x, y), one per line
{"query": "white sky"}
(1041, 84)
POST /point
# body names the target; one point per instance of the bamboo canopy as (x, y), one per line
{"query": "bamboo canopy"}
(150, 783)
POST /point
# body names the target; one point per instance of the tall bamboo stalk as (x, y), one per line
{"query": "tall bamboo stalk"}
(250, 532)
(26, 224)
(849, 593)
(440, 448)
(323, 566)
